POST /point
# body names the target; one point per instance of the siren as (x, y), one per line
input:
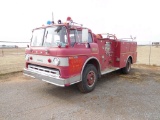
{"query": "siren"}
(50, 22)
(59, 21)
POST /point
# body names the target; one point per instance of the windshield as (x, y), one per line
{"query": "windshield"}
(53, 37)
(37, 37)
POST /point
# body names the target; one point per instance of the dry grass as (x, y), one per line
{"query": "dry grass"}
(11, 63)
(143, 55)
(11, 51)
(13, 59)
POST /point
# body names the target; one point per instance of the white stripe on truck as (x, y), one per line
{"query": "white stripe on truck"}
(44, 59)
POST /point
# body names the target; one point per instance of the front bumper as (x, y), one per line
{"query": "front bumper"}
(56, 80)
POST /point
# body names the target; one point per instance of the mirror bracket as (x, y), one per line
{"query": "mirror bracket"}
(85, 35)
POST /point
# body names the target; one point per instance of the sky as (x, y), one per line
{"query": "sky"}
(139, 18)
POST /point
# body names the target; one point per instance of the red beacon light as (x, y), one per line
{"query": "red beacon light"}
(59, 45)
(70, 22)
(69, 18)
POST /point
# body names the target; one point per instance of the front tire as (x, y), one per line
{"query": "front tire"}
(89, 79)
(127, 69)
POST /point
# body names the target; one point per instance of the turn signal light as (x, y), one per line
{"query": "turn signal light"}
(31, 58)
(49, 60)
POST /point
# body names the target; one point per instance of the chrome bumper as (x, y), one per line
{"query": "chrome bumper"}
(56, 80)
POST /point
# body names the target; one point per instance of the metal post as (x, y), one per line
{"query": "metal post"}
(17, 50)
(2, 52)
(150, 54)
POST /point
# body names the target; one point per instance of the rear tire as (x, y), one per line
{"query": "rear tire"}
(127, 69)
(89, 79)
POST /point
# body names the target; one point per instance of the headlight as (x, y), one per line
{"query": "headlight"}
(56, 61)
(27, 57)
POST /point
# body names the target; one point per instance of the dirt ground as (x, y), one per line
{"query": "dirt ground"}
(135, 96)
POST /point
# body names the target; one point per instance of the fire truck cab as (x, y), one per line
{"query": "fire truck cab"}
(67, 53)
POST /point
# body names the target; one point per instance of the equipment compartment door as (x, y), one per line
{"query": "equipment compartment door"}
(109, 53)
(106, 53)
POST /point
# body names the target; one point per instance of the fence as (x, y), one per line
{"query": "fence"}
(149, 55)
(11, 51)
(12, 56)
(9, 48)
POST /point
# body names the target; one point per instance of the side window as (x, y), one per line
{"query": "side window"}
(72, 36)
(89, 38)
(37, 37)
(75, 36)
(79, 36)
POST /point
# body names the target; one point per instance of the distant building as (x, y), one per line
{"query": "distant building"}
(8, 46)
(156, 44)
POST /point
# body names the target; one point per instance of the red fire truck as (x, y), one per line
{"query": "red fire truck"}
(68, 53)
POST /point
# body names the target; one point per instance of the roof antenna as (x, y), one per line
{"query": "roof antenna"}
(52, 18)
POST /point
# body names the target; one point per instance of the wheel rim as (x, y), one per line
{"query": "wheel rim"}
(91, 78)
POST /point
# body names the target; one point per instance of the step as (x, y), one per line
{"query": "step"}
(108, 70)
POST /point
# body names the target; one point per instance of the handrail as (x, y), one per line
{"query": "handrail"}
(110, 35)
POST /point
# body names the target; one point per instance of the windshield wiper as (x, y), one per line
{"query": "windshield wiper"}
(58, 29)
(46, 34)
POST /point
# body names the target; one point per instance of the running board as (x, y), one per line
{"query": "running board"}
(108, 70)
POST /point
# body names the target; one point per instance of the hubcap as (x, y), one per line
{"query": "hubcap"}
(91, 78)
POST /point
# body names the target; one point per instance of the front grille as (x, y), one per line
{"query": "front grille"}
(44, 70)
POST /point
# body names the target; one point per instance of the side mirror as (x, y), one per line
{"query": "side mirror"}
(84, 35)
